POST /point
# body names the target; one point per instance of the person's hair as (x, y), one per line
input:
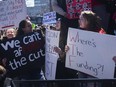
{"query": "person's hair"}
(22, 25)
(94, 21)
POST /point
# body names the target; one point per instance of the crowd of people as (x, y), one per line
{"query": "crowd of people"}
(101, 19)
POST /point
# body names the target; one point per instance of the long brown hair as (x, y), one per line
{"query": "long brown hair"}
(22, 25)
(94, 21)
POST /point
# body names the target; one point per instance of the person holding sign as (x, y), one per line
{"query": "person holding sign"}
(26, 54)
(9, 33)
(25, 28)
(89, 21)
(62, 72)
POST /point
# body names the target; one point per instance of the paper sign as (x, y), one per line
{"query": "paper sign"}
(52, 40)
(91, 53)
(23, 53)
(49, 18)
(11, 13)
(30, 3)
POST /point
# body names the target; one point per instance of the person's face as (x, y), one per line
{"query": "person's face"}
(82, 22)
(28, 27)
(10, 33)
(58, 25)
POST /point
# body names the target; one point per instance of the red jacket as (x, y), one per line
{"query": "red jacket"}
(102, 31)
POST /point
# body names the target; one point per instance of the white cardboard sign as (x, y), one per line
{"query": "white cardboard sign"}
(91, 53)
(49, 18)
(11, 13)
(30, 3)
(52, 40)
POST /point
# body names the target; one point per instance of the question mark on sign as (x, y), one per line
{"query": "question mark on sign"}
(101, 67)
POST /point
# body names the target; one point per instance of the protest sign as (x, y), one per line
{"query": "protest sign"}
(74, 7)
(23, 53)
(91, 53)
(52, 40)
(11, 13)
(49, 18)
(30, 3)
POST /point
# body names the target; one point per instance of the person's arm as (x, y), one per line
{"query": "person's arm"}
(56, 8)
